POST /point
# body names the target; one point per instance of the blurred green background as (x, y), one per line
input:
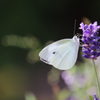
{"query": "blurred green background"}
(26, 26)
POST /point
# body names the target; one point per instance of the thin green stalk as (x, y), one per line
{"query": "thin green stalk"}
(98, 87)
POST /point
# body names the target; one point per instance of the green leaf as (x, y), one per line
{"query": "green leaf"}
(90, 97)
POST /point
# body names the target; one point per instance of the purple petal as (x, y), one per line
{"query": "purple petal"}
(84, 40)
(93, 41)
(95, 23)
(85, 46)
(92, 57)
(85, 51)
(98, 54)
(81, 26)
(92, 52)
(89, 39)
(95, 34)
(85, 26)
(86, 56)
(93, 46)
(90, 27)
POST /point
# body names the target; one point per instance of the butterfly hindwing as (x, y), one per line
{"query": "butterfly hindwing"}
(69, 58)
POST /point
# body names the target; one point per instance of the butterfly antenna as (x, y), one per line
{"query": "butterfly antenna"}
(74, 27)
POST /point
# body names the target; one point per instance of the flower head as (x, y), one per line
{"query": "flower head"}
(90, 38)
(95, 98)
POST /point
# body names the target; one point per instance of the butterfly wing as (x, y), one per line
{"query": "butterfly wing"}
(50, 51)
(61, 54)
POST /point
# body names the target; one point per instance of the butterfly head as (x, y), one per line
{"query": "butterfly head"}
(75, 38)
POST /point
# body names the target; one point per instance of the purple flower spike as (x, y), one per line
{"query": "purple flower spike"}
(95, 98)
(90, 38)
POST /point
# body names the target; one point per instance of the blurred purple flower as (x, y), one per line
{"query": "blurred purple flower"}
(67, 77)
(80, 79)
(77, 80)
(95, 98)
(90, 38)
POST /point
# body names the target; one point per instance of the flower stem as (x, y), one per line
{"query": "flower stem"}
(98, 87)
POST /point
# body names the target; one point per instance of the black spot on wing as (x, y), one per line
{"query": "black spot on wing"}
(54, 52)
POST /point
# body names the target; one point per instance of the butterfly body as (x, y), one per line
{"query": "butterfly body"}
(61, 54)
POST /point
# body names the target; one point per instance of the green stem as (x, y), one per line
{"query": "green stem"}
(98, 87)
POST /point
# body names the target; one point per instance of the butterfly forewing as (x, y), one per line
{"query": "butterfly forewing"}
(50, 51)
(61, 52)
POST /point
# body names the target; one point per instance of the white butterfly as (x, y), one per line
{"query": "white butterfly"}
(61, 54)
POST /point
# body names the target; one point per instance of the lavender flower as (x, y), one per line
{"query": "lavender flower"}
(67, 77)
(95, 98)
(90, 38)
